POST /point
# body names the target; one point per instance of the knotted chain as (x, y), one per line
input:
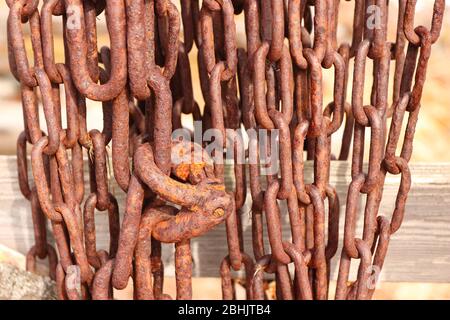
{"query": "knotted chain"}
(272, 85)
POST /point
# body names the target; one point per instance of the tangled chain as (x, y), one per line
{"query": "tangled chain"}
(144, 83)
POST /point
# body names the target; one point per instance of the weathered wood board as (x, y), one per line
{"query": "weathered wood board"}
(419, 252)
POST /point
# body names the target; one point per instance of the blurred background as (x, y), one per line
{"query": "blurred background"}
(431, 142)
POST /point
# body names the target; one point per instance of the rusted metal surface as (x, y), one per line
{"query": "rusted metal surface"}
(144, 81)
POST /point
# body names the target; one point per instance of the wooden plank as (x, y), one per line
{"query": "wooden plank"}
(419, 252)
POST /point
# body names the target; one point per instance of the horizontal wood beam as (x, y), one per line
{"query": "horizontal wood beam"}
(419, 252)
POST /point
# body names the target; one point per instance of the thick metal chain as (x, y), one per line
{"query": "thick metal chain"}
(272, 84)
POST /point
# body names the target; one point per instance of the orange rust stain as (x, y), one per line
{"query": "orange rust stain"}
(197, 168)
(219, 187)
(182, 171)
(219, 212)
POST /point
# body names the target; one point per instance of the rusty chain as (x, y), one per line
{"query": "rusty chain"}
(274, 82)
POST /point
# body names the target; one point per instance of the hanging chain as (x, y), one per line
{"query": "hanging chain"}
(271, 85)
